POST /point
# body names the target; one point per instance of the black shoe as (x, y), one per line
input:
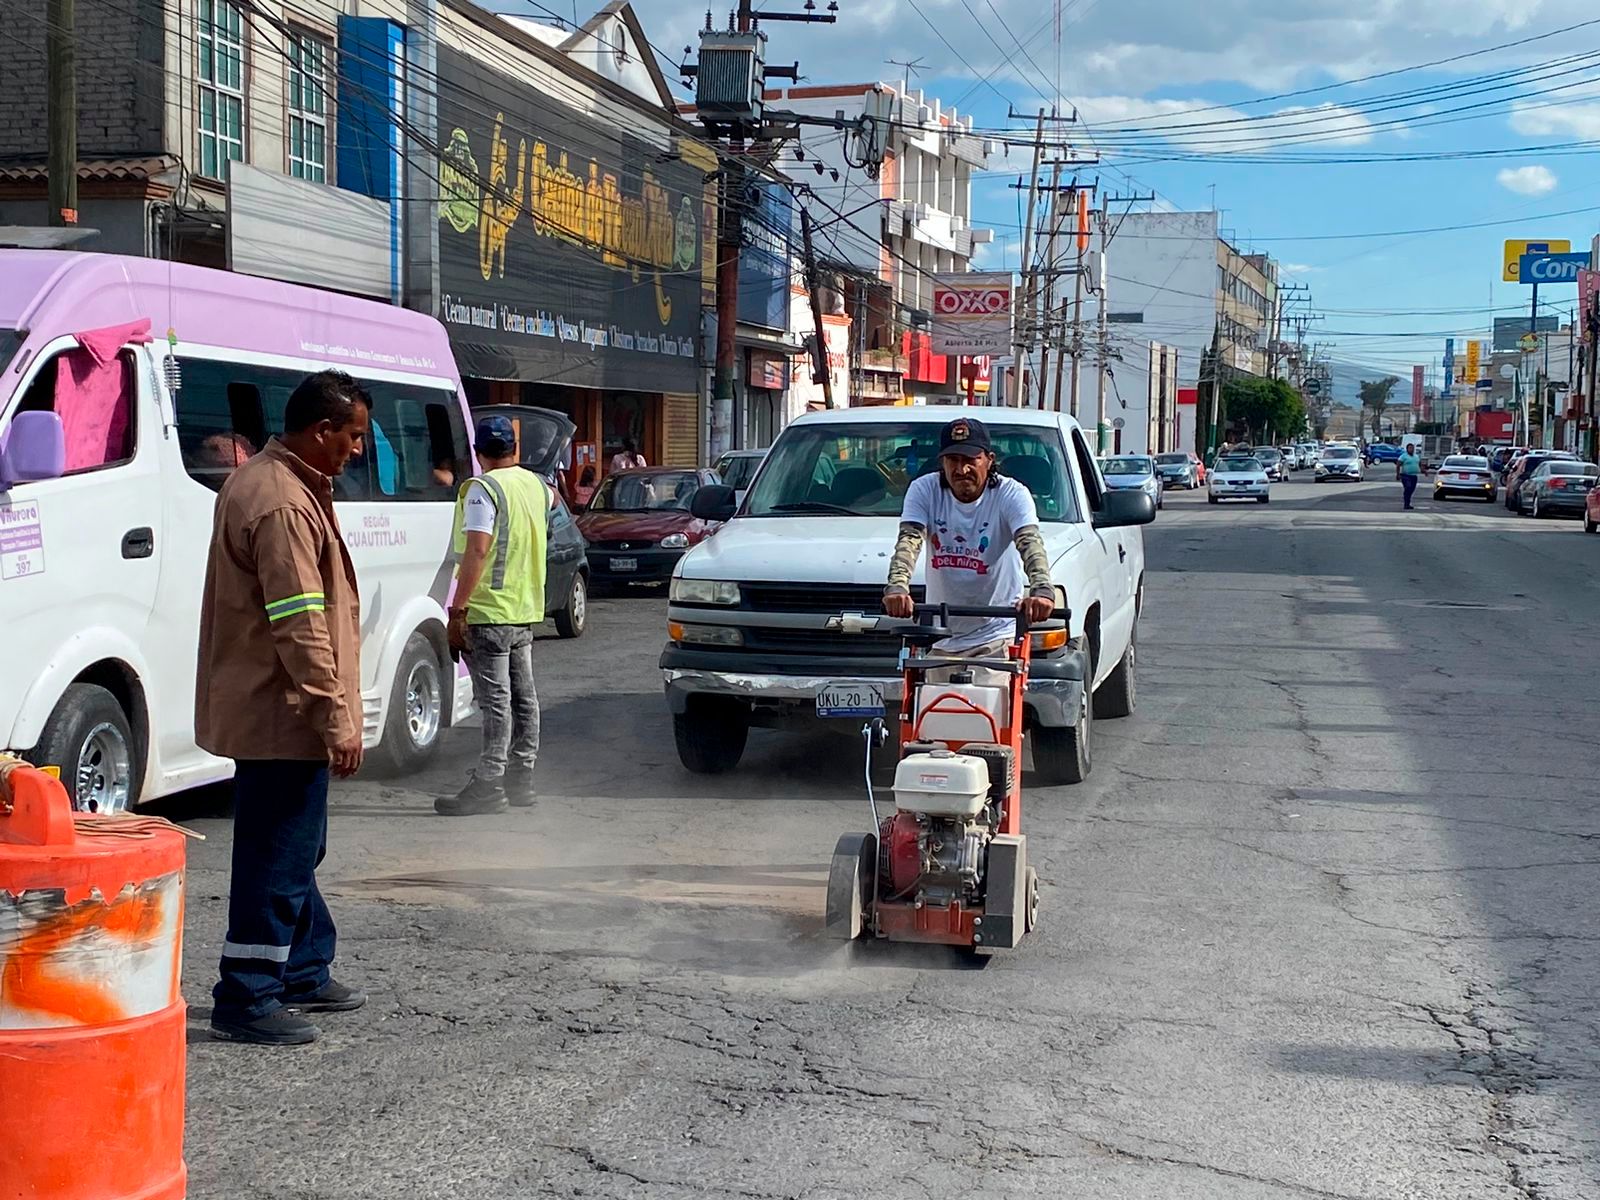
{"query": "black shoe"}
(476, 799)
(332, 996)
(519, 791)
(280, 1027)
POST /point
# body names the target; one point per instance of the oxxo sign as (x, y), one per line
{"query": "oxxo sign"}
(1551, 268)
(988, 302)
(972, 313)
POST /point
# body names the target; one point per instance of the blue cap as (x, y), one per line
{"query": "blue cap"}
(495, 435)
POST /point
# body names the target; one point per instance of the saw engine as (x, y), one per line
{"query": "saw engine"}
(933, 848)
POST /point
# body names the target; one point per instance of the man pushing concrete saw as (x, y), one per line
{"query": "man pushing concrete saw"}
(984, 544)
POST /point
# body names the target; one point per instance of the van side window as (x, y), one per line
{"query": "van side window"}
(1087, 469)
(96, 404)
(416, 450)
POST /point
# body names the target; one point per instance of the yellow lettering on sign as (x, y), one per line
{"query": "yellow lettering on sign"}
(500, 205)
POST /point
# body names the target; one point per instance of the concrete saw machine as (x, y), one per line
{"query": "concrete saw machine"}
(949, 865)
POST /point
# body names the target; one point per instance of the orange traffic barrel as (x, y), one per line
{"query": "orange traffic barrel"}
(91, 1019)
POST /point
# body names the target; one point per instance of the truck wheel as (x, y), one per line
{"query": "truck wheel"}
(89, 739)
(1118, 696)
(416, 710)
(711, 734)
(1063, 755)
(574, 615)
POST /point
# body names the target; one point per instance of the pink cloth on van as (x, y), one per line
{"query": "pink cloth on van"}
(93, 398)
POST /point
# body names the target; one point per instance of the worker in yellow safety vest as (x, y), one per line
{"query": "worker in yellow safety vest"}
(501, 527)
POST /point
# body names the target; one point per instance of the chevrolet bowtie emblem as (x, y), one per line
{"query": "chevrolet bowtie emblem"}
(852, 622)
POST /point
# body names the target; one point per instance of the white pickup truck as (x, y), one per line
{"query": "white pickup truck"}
(778, 616)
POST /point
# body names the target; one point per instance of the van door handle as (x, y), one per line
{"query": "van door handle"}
(1122, 552)
(139, 543)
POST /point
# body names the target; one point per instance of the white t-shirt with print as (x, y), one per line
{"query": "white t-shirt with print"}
(972, 558)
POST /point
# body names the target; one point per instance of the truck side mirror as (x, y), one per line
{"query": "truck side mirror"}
(34, 448)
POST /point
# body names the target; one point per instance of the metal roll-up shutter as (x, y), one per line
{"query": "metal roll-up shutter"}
(680, 431)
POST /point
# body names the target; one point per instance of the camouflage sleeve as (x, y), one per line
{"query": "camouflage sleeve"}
(1035, 561)
(907, 548)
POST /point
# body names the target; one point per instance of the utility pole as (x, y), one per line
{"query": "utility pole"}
(730, 100)
(1046, 294)
(821, 368)
(1084, 207)
(1023, 338)
(1104, 357)
(61, 63)
(1103, 426)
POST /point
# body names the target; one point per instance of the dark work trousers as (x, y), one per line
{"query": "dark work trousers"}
(280, 934)
(1408, 484)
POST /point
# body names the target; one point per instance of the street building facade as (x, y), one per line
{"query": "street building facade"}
(886, 238)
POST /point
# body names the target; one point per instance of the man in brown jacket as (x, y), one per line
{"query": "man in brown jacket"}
(279, 692)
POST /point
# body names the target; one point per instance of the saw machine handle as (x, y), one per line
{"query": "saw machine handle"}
(924, 615)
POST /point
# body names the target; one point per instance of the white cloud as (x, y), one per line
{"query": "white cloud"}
(1297, 269)
(1528, 181)
(1576, 116)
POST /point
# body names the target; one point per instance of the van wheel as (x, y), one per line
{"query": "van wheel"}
(416, 710)
(89, 739)
(711, 734)
(574, 615)
(1118, 696)
(1064, 755)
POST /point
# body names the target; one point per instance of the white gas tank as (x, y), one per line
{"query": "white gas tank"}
(961, 712)
(941, 784)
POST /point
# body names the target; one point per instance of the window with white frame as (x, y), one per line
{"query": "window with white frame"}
(221, 78)
(308, 107)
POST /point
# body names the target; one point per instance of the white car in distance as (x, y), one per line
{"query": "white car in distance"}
(1238, 477)
(1340, 462)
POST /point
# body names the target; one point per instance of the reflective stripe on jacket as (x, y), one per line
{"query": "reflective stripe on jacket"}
(511, 589)
(279, 671)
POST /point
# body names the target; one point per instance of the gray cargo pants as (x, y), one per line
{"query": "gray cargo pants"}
(500, 659)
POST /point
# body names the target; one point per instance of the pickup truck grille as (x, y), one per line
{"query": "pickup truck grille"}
(831, 598)
(773, 640)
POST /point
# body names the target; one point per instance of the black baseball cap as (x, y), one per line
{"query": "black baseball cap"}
(964, 436)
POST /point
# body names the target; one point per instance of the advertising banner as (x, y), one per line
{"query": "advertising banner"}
(972, 313)
(1511, 259)
(1469, 373)
(1588, 292)
(1449, 368)
(1416, 390)
(1552, 268)
(1508, 330)
(764, 258)
(568, 252)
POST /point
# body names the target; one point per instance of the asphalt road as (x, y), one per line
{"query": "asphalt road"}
(1321, 924)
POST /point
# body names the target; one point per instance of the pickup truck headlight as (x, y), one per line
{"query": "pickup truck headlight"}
(705, 635)
(675, 541)
(704, 591)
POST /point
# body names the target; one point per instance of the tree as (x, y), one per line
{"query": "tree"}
(1374, 399)
(1265, 407)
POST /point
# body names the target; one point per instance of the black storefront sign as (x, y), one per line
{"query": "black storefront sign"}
(569, 252)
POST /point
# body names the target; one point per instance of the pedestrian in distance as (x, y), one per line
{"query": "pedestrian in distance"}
(629, 458)
(501, 530)
(1408, 469)
(279, 692)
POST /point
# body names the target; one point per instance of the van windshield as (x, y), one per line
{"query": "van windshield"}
(10, 339)
(863, 470)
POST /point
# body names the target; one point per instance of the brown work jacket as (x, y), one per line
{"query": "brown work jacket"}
(280, 623)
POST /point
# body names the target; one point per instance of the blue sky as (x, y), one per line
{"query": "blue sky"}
(1135, 69)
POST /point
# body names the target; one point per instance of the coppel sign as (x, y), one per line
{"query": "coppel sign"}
(1551, 268)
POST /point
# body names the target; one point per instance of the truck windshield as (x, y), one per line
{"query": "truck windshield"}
(863, 470)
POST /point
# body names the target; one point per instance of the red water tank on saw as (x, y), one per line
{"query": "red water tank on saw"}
(91, 1018)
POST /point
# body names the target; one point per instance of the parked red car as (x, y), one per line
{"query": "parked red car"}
(1591, 512)
(638, 523)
